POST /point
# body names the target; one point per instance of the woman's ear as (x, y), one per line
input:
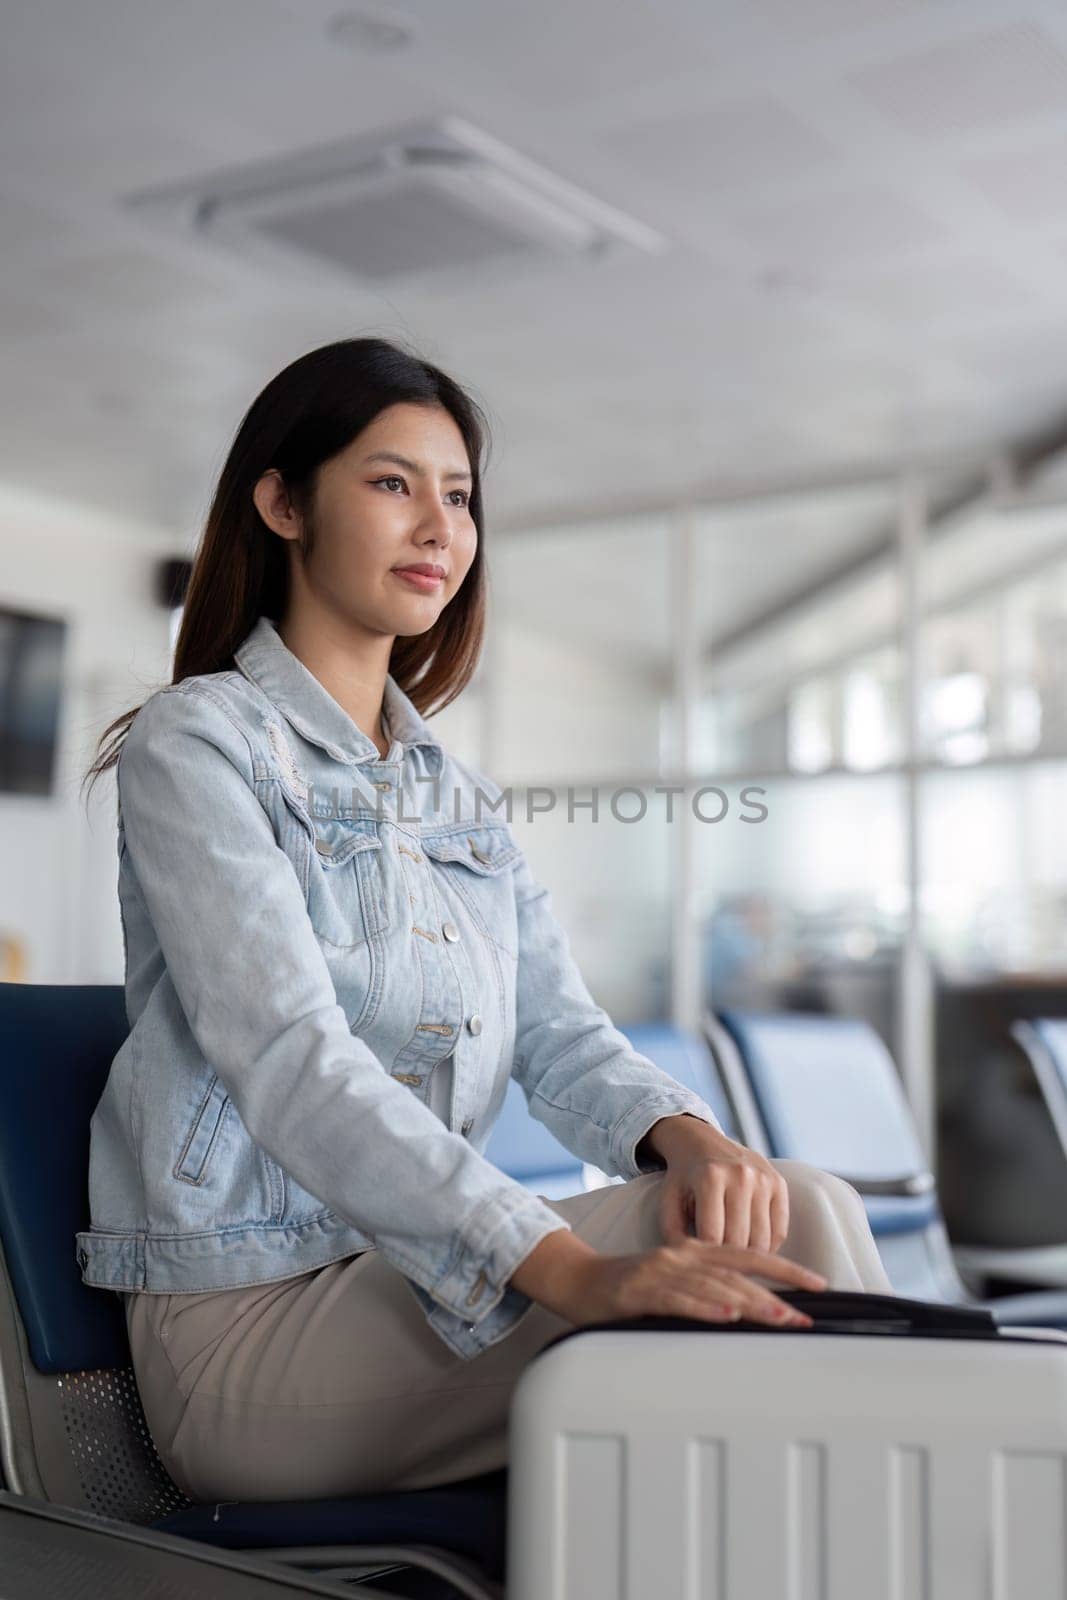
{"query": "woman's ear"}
(272, 501)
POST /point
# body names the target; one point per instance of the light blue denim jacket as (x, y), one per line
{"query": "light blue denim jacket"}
(311, 935)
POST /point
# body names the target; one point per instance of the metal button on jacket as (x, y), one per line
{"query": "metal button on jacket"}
(450, 930)
(475, 1023)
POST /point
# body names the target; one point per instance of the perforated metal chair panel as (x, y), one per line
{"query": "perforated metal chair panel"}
(117, 1462)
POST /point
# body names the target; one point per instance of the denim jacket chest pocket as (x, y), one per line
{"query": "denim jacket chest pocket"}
(340, 864)
(346, 889)
(474, 873)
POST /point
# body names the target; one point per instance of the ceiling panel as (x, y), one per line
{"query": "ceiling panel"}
(863, 201)
(1008, 74)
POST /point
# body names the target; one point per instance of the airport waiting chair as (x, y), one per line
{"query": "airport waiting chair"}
(1043, 1041)
(72, 1430)
(685, 1056)
(523, 1147)
(824, 1089)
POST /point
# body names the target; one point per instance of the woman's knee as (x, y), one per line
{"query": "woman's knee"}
(814, 1186)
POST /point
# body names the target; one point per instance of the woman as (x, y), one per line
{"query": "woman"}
(336, 956)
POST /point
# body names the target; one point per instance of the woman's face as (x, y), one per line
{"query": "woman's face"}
(396, 497)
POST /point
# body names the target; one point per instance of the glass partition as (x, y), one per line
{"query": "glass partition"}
(580, 651)
(804, 908)
(609, 877)
(798, 622)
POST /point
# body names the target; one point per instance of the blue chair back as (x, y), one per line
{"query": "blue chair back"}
(827, 1092)
(686, 1057)
(523, 1148)
(57, 1043)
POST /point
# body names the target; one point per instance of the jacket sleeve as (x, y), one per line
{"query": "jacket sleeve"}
(230, 915)
(581, 1076)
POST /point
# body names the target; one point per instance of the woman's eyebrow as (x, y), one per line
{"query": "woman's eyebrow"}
(412, 466)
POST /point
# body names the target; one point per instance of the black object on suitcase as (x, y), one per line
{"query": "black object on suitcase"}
(835, 1311)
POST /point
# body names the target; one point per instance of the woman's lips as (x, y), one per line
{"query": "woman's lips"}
(418, 580)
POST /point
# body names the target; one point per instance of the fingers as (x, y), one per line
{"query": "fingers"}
(728, 1298)
(673, 1217)
(682, 1304)
(742, 1207)
(766, 1265)
(762, 1305)
(710, 1208)
(738, 1206)
(759, 1237)
(779, 1213)
(695, 1278)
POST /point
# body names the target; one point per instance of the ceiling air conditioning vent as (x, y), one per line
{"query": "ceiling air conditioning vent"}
(424, 200)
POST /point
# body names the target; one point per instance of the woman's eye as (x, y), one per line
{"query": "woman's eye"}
(464, 496)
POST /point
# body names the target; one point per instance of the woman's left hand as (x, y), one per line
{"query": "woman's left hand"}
(729, 1193)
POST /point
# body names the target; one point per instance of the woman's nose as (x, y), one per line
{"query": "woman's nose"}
(436, 521)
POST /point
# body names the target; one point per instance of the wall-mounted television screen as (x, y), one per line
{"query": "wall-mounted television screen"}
(31, 687)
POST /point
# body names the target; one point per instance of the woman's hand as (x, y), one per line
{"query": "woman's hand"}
(690, 1279)
(721, 1191)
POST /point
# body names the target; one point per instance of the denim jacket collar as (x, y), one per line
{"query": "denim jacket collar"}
(267, 661)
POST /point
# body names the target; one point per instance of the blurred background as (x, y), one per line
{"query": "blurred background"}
(767, 304)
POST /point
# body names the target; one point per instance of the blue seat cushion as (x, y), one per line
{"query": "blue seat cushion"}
(892, 1214)
(468, 1517)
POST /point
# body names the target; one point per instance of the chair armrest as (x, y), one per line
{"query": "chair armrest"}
(914, 1183)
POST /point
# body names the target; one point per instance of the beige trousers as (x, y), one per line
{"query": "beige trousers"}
(332, 1383)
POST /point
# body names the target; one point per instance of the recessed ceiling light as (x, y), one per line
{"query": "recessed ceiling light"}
(360, 30)
(418, 201)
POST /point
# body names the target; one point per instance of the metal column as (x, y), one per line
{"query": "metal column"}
(686, 998)
(915, 1011)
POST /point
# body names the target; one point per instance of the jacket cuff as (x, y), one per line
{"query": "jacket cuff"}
(498, 1237)
(640, 1118)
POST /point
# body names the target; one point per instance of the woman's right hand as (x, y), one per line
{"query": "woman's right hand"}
(692, 1278)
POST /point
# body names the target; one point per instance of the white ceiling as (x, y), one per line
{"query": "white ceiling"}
(866, 202)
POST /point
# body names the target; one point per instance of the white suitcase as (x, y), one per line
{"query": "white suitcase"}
(715, 1464)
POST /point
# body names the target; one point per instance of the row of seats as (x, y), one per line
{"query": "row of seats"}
(821, 1089)
(72, 1432)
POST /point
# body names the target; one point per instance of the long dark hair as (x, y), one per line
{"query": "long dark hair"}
(310, 412)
